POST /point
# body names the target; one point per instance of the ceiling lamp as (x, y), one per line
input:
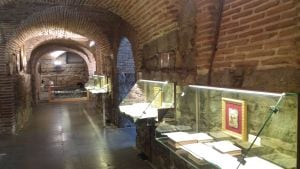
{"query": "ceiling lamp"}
(92, 43)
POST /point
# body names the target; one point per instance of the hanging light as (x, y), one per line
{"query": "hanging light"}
(92, 43)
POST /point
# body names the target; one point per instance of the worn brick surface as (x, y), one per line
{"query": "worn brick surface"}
(261, 33)
(255, 36)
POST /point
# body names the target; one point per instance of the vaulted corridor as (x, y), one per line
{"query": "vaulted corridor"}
(150, 77)
(68, 136)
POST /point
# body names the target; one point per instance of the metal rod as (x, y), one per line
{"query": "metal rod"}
(272, 111)
(160, 90)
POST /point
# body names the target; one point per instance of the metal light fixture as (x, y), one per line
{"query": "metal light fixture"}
(152, 81)
(237, 90)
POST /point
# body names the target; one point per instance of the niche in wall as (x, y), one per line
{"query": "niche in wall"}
(70, 71)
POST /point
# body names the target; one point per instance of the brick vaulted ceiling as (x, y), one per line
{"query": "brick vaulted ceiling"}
(66, 45)
(96, 20)
(141, 14)
(59, 21)
(149, 18)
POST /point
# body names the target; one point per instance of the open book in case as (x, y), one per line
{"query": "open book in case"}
(234, 119)
(149, 99)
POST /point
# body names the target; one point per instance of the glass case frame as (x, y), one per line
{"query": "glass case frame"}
(149, 99)
(199, 109)
(98, 84)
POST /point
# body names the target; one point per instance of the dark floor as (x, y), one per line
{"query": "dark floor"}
(68, 136)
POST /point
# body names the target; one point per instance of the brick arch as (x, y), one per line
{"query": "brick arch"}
(125, 68)
(150, 18)
(41, 51)
(53, 22)
(125, 56)
(44, 48)
(70, 43)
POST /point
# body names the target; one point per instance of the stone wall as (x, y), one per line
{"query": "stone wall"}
(256, 40)
(255, 47)
(66, 75)
(202, 110)
(275, 80)
(172, 56)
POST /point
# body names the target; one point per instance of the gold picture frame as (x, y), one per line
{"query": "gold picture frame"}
(234, 118)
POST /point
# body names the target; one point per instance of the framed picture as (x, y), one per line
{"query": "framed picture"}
(234, 118)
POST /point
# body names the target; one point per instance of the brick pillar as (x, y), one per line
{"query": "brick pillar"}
(7, 103)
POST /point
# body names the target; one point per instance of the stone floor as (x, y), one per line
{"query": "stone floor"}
(68, 136)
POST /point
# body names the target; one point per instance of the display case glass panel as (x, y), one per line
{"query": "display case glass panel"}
(98, 84)
(237, 117)
(148, 99)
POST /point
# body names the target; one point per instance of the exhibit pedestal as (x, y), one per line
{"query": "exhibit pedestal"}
(145, 137)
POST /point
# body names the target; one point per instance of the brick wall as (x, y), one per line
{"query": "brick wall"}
(7, 87)
(206, 20)
(259, 37)
(7, 104)
(155, 16)
(259, 34)
(41, 24)
(17, 29)
(125, 61)
(67, 75)
(125, 68)
(172, 56)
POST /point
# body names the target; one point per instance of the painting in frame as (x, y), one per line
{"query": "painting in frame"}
(234, 118)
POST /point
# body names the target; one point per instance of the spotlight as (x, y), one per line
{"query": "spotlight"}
(92, 43)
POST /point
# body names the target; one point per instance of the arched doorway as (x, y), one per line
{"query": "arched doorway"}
(125, 73)
(66, 71)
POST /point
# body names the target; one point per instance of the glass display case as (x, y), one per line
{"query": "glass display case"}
(149, 99)
(58, 93)
(228, 128)
(98, 84)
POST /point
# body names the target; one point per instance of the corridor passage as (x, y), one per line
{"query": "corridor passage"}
(69, 136)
